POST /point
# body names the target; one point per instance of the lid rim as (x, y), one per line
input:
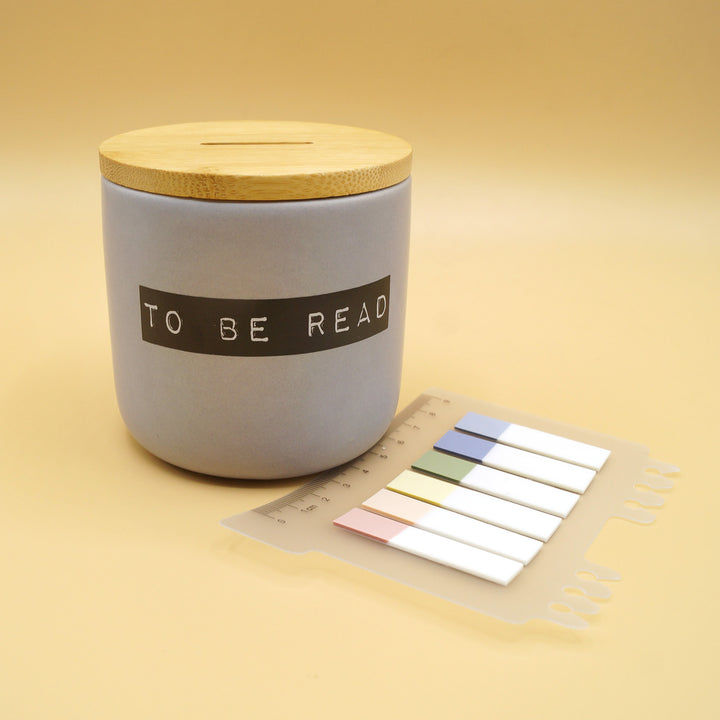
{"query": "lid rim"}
(187, 161)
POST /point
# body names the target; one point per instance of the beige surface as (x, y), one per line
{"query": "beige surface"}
(565, 261)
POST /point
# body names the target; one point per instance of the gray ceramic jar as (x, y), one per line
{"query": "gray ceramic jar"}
(256, 277)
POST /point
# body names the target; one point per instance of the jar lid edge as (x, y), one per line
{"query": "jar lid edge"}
(255, 160)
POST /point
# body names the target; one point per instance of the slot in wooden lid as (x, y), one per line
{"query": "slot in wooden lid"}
(255, 161)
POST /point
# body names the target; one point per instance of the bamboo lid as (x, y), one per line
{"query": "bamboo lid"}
(257, 161)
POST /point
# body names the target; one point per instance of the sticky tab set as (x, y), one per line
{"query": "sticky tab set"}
(519, 462)
(478, 504)
(450, 524)
(498, 483)
(535, 441)
(516, 505)
(502, 513)
(431, 546)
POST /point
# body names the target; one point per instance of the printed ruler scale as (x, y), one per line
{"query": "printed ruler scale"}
(298, 516)
(302, 520)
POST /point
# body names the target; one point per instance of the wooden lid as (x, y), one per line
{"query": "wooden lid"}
(255, 161)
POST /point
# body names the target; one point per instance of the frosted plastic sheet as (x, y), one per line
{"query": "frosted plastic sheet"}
(302, 521)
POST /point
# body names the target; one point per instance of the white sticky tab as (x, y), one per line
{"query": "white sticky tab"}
(555, 446)
(504, 514)
(508, 515)
(457, 555)
(538, 467)
(453, 525)
(507, 486)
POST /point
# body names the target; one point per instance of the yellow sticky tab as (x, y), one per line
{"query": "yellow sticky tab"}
(422, 487)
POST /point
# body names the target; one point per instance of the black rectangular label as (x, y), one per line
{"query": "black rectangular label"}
(260, 328)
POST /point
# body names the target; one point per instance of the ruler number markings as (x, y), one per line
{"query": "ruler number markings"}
(333, 484)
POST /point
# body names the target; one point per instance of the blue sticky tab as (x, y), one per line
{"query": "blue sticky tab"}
(483, 425)
(467, 446)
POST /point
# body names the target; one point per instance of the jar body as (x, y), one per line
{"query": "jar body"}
(270, 415)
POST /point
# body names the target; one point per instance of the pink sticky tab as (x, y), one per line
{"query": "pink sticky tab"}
(369, 524)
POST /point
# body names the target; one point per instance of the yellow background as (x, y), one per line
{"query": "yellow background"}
(565, 262)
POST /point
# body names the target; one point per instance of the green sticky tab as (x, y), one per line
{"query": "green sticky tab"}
(444, 466)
